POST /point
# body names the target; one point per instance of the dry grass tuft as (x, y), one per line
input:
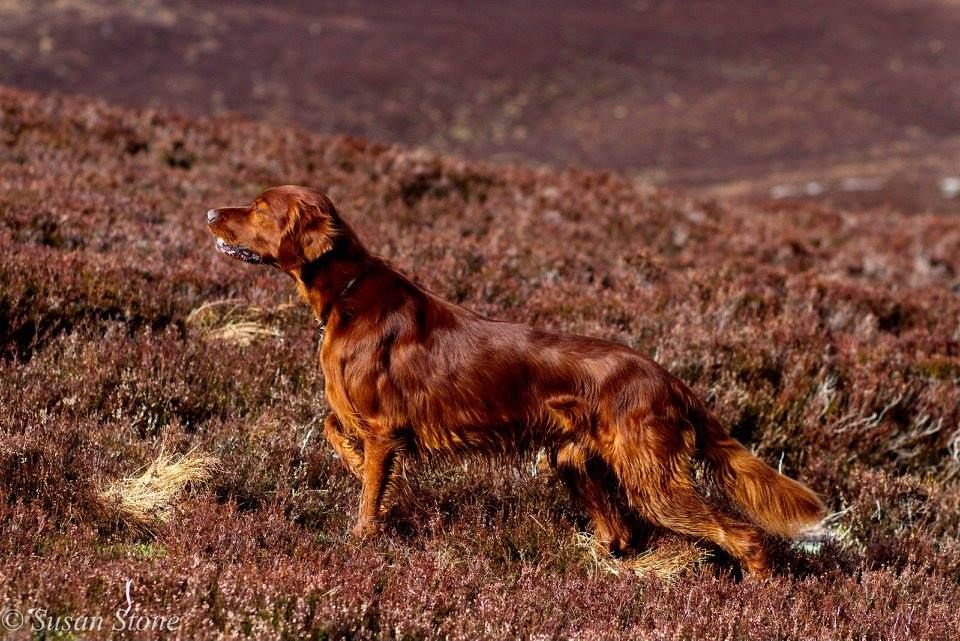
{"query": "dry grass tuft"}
(232, 321)
(666, 560)
(146, 502)
(597, 557)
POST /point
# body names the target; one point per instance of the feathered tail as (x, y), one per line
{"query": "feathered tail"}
(776, 503)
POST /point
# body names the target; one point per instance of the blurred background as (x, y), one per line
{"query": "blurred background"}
(854, 102)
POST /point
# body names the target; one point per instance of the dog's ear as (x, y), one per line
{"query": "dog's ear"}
(309, 234)
(316, 237)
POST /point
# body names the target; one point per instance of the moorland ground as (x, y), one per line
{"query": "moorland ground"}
(827, 340)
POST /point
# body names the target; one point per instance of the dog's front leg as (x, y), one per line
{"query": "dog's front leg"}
(378, 458)
(346, 447)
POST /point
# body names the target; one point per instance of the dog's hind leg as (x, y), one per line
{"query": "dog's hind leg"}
(654, 463)
(592, 484)
(681, 509)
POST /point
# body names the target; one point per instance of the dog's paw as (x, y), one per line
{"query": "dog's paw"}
(365, 530)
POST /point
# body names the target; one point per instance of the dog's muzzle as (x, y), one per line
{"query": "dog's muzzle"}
(236, 251)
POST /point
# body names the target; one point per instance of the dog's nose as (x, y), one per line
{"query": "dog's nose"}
(211, 215)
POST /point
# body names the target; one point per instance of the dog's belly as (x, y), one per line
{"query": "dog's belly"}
(488, 439)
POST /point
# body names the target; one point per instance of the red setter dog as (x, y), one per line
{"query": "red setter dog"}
(410, 374)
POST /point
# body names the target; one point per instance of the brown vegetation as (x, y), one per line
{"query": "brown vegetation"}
(827, 340)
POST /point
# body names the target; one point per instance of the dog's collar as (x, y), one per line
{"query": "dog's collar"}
(322, 319)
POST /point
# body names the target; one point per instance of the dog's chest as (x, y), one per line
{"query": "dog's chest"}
(353, 383)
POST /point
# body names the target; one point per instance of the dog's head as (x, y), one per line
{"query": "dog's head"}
(285, 226)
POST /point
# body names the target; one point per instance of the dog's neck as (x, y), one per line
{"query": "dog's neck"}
(325, 282)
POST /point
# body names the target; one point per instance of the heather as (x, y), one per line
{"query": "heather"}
(827, 340)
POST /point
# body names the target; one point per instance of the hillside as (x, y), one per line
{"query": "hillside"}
(827, 340)
(857, 99)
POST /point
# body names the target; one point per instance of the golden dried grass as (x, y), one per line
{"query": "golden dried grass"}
(667, 560)
(232, 321)
(146, 500)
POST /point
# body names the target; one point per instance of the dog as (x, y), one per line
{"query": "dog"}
(408, 374)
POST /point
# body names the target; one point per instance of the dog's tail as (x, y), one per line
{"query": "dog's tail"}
(776, 503)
